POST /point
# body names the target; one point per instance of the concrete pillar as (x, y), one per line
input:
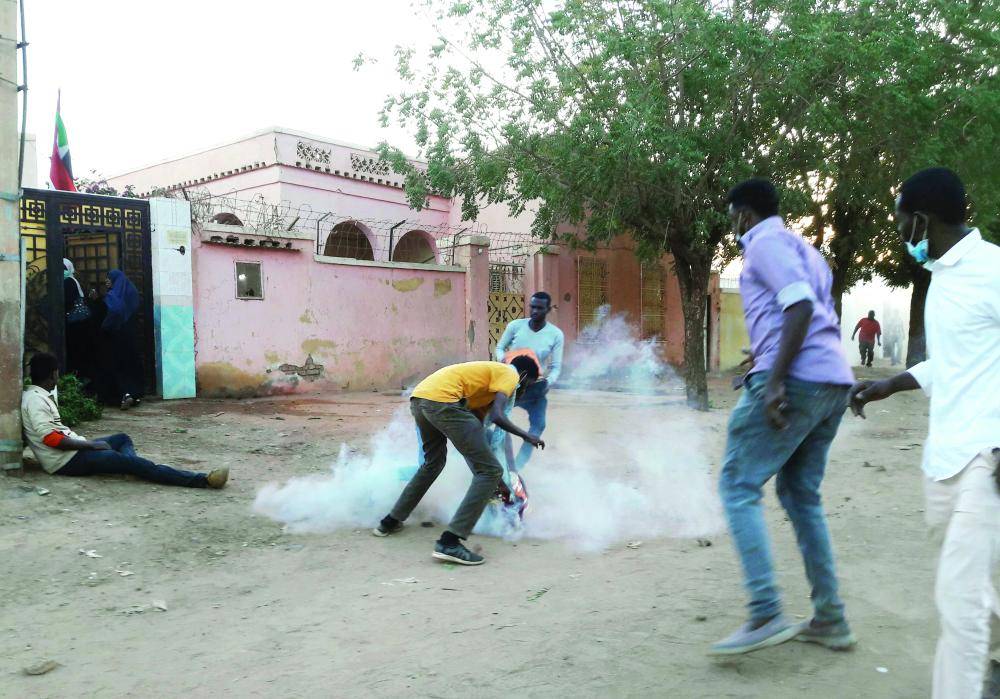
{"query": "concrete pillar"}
(11, 342)
(173, 301)
(541, 273)
(471, 252)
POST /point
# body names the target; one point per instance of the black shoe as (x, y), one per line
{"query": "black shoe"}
(456, 553)
(991, 688)
(387, 526)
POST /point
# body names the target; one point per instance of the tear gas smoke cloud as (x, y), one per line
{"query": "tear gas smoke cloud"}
(628, 464)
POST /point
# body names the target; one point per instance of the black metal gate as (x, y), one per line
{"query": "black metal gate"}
(98, 234)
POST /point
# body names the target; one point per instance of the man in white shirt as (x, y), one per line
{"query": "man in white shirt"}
(62, 452)
(962, 378)
(546, 344)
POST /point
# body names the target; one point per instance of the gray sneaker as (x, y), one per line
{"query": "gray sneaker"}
(747, 639)
(456, 554)
(835, 636)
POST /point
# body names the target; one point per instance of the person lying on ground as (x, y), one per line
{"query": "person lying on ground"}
(443, 407)
(62, 452)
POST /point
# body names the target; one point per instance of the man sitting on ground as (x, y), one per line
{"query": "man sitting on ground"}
(443, 406)
(62, 452)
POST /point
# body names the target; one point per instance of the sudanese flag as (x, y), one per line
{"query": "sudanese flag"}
(60, 167)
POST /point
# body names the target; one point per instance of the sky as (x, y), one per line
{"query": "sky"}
(144, 82)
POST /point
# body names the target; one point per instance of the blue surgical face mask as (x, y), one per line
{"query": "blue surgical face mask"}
(921, 250)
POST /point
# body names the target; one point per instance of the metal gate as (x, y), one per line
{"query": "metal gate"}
(506, 299)
(591, 290)
(98, 234)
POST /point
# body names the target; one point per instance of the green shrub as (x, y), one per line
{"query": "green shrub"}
(74, 405)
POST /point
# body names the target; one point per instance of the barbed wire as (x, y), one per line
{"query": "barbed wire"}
(339, 234)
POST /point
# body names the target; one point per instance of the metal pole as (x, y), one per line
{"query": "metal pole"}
(10, 245)
(392, 237)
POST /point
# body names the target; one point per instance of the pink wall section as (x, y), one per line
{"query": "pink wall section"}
(370, 327)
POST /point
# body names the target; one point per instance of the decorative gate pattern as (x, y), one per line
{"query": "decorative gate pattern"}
(506, 299)
(651, 299)
(592, 289)
(98, 234)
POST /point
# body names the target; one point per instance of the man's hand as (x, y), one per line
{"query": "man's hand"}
(775, 404)
(535, 442)
(100, 446)
(864, 392)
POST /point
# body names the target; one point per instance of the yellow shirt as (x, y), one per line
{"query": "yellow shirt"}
(40, 417)
(477, 382)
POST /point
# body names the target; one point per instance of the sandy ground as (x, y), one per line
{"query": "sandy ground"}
(255, 612)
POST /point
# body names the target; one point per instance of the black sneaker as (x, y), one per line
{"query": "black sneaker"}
(387, 526)
(457, 553)
(991, 687)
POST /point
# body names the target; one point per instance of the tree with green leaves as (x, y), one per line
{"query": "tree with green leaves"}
(612, 117)
(917, 88)
(636, 116)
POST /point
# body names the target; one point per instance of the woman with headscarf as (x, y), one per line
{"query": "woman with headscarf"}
(119, 327)
(79, 325)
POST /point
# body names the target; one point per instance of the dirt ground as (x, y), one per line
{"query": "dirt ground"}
(255, 612)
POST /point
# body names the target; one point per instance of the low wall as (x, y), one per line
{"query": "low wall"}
(733, 335)
(320, 323)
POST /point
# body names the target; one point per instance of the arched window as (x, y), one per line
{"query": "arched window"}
(227, 219)
(415, 246)
(348, 239)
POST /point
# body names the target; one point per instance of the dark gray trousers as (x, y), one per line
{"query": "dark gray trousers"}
(438, 423)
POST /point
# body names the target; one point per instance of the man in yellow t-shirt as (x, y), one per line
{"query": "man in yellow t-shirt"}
(444, 406)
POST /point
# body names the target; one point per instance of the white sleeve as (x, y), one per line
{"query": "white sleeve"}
(923, 373)
(795, 292)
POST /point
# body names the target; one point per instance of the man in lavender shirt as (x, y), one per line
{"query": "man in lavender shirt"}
(795, 396)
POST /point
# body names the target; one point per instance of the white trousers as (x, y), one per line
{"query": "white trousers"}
(965, 510)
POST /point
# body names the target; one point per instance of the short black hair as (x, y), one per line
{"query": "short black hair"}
(525, 365)
(937, 191)
(756, 194)
(544, 296)
(41, 367)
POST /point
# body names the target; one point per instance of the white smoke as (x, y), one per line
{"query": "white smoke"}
(621, 464)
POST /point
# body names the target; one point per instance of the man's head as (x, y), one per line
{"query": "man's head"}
(44, 371)
(539, 306)
(751, 202)
(527, 371)
(930, 205)
(871, 315)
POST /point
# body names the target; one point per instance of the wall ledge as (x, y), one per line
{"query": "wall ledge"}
(386, 265)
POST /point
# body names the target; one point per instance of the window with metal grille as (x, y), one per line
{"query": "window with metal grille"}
(592, 289)
(348, 240)
(651, 299)
(249, 281)
(415, 246)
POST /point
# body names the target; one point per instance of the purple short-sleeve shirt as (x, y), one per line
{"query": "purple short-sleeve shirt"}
(779, 270)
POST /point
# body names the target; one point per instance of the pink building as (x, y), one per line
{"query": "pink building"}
(309, 270)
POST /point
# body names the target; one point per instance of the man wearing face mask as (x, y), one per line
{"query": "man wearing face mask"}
(962, 378)
(795, 396)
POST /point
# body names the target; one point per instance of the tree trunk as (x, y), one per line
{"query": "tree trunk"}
(916, 348)
(694, 289)
(837, 289)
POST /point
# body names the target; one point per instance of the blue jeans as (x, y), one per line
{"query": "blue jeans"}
(755, 452)
(121, 458)
(535, 401)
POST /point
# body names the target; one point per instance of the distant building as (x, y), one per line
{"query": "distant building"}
(309, 268)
